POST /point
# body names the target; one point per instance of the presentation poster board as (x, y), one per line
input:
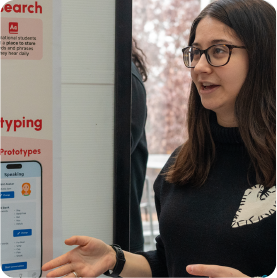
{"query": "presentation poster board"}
(30, 97)
(64, 83)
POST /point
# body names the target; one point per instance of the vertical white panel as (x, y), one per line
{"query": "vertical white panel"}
(88, 38)
(57, 167)
(88, 41)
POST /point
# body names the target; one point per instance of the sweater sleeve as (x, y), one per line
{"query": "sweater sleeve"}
(157, 258)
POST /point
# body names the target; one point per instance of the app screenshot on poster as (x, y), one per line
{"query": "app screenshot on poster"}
(21, 210)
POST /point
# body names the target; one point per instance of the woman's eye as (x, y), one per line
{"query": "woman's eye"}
(219, 51)
(196, 52)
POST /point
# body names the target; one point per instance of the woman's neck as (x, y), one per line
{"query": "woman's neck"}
(226, 120)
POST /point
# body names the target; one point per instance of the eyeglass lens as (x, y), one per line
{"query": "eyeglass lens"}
(217, 55)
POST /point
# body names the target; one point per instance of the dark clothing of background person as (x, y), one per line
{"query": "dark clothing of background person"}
(139, 156)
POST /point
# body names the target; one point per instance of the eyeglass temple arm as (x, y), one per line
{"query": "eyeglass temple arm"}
(238, 46)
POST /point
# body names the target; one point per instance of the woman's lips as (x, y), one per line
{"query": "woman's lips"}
(208, 89)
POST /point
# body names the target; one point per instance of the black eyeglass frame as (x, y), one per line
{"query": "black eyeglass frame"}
(230, 46)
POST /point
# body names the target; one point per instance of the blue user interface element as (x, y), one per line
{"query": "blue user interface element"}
(7, 195)
(14, 266)
(26, 232)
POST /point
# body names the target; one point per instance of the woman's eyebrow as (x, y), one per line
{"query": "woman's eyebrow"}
(213, 42)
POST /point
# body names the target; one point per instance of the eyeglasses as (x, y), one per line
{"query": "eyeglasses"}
(217, 55)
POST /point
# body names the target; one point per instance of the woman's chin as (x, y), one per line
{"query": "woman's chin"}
(210, 105)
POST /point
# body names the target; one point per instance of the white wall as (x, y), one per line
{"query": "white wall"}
(88, 36)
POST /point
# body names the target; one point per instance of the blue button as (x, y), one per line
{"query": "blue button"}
(7, 195)
(27, 232)
(14, 266)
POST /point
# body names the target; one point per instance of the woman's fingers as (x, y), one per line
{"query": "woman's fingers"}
(214, 271)
(204, 270)
(84, 259)
(61, 271)
(77, 240)
(62, 260)
(70, 275)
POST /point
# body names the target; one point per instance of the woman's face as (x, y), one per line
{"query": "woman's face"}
(227, 80)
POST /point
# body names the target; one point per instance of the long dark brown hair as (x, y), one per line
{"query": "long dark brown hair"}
(139, 59)
(255, 108)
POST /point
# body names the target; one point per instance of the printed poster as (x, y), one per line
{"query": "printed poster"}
(30, 136)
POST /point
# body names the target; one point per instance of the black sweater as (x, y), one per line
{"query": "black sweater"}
(225, 222)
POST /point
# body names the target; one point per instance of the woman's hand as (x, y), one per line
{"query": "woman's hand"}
(213, 271)
(91, 258)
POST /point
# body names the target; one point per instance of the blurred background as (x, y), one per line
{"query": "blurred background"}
(161, 29)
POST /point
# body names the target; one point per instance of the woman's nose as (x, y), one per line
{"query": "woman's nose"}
(203, 66)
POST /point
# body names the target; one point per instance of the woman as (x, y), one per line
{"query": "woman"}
(215, 197)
